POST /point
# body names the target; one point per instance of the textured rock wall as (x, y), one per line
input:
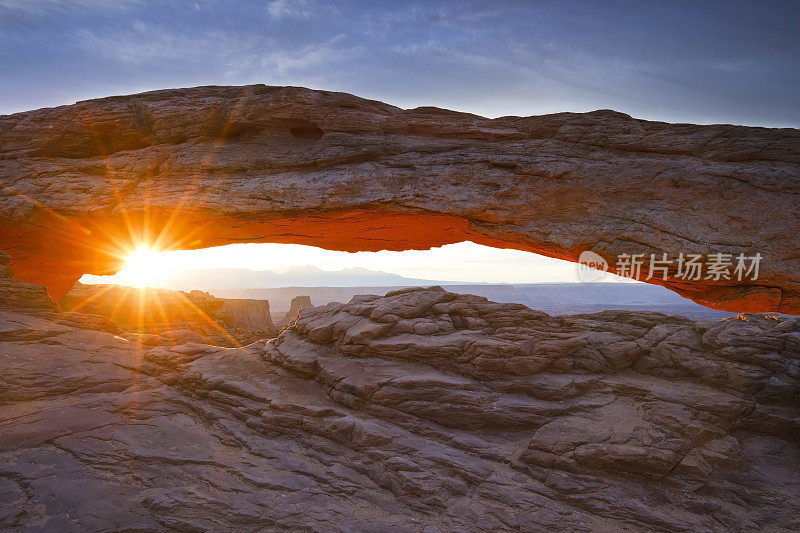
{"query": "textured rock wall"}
(190, 168)
(421, 411)
(15, 294)
(251, 314)
(156, 311)
(298, 303)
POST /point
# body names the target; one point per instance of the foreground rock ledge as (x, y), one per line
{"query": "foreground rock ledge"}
(419, 411)
(208, 166)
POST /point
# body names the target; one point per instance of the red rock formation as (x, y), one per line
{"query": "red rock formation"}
(252, 314)
(190, 168)
(15, 294)
(298, 303)
(154, 311)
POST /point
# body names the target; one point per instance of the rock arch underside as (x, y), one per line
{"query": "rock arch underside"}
(420, 410)
(208, 166)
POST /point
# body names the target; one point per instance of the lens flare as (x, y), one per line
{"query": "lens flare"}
(143, 268)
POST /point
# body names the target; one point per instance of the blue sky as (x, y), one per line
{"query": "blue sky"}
(703, 62)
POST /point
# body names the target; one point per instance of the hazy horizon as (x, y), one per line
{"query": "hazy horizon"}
(464, 262)
(303, 276)
(555, 298)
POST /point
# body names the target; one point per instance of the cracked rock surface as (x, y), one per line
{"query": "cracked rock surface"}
(420, 410)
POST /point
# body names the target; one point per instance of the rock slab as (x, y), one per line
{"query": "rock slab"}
(421, 410)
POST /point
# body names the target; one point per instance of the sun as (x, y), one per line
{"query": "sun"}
(143, 268)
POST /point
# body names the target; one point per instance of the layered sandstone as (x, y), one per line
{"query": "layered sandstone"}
(15, 294)
(421, 410)
(222, 321)
(190, 168)
(298, 303)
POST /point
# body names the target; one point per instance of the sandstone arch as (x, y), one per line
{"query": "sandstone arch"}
(208, 166)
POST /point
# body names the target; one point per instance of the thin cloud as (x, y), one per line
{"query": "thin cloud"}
(729, 61)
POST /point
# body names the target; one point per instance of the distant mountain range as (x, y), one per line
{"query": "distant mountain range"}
(300, 276)
(279, 286)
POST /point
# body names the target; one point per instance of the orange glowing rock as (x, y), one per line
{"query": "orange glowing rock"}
(82, 185)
